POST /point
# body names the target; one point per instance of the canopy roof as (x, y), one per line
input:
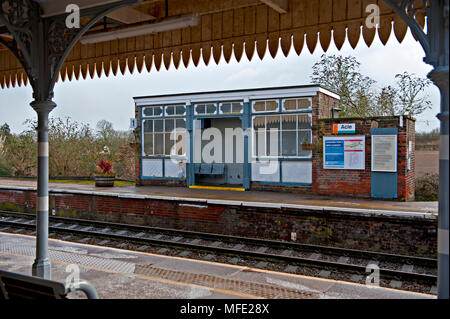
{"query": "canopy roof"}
(224, 27)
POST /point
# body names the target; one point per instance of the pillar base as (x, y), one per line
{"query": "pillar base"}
(41, 268)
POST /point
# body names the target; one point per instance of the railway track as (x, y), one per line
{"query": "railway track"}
(414, 273)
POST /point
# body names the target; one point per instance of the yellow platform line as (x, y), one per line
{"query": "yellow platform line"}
(218, 188)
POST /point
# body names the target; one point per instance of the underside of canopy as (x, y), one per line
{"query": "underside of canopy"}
(225, 27)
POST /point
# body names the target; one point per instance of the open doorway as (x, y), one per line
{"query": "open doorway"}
(222, 150)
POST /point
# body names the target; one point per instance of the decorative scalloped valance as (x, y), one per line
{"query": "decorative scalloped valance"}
(221, 32)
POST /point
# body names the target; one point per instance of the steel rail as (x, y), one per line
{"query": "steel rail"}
(384, 272)
(366, 254)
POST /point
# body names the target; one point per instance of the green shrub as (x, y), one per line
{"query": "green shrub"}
(427, 187)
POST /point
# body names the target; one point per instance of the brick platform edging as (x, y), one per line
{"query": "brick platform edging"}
(380, 232)
(359, 212)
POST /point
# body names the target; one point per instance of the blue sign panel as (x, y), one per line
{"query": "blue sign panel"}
(334, 153)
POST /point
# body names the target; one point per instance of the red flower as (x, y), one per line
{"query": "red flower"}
(104, 167)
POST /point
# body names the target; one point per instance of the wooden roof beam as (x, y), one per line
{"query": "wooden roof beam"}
(130, 15)
(280, 6)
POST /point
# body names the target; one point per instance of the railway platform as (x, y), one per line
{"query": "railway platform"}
(122, 274)
(247, 198)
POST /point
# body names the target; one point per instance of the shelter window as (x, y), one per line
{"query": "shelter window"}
(205, 109)
(292, 133)
(152, 111)
(297, 104)
(231, 108)
(175, 110)
(160, 137)
(265, 106)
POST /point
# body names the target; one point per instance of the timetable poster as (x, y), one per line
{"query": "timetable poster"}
(384, 153)
(346, 152)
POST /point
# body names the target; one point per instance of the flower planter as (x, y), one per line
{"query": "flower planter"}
(104, 181)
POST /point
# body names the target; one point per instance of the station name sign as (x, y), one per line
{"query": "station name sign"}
(344, 128)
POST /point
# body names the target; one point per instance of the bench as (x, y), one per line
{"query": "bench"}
(18, 286)
(210, 169)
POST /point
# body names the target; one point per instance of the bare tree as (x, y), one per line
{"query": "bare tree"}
(359, 94)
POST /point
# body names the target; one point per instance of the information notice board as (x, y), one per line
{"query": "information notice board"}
(384, 153)
(344, 152)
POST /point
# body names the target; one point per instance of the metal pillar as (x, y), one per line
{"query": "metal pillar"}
(440, 78)
(41, 265)
(435, 45)
(41, 45)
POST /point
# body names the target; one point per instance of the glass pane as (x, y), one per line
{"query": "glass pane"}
(177, 138)
(259, 140)
(148, 126)
(148, 111)
(304, 121)
(304, 143)
(180, 109)
(303, 104)
(181, 123)
(200, 109)
(259, 106)
(288, 122)
(225, 108)
(259, 122)
(271, 105)
(237, 108)
(169, 125)
(289, 143)
(168, 144)
(290, 105)
(148, 143)
(159, 144)
(158, 125)
(210, 108)
(170, 110)
(273, 122)
(273, 142)
(157, 110)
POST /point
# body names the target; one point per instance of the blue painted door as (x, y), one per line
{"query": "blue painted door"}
(384, 184)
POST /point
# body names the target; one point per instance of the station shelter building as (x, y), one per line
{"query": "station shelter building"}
(283, 139)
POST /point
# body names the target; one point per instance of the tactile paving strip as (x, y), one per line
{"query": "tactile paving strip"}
(71, 257)
(255, 289)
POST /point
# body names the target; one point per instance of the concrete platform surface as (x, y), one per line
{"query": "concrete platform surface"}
(247, 198)
(121, 274)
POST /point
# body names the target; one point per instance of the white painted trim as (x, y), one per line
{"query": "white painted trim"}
(329, 93)
(42, 204)
(234, 96)
(43, 149)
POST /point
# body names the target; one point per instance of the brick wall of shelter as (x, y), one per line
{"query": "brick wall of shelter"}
(357, 183)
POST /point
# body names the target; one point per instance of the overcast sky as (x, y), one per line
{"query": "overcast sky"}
(110, 98)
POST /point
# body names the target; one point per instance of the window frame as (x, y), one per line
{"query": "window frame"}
(277, 109)
(206, 106)
(280, 137)
(283, 102)
(153, 107)
(163, 133)
(175, 107)
(231, 106)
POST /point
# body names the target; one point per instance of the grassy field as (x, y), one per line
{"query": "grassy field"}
(426, 162)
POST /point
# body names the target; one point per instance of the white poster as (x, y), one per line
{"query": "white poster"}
(384, 153)
(344, 152)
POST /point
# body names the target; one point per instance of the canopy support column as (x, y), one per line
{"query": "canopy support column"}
(41, 45)
(435, 45)
(41, 265)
